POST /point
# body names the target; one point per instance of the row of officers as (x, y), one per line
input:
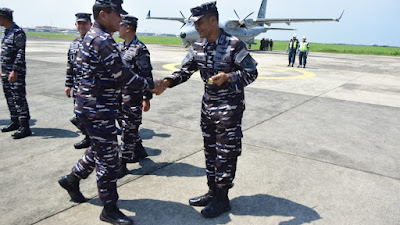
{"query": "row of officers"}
(111, 82)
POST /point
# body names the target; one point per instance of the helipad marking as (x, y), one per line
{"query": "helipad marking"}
(304, 73)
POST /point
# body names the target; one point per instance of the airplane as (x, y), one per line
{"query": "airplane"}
(245, 29)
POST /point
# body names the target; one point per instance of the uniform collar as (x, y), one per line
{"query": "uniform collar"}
(11, 28)
(220, 40)
(133, 42)
(101, 27)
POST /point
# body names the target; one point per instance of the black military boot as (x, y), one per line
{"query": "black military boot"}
(218, 205)
(139, 152)
(74, 120)
(111, 214)
(13, 125)
(70, 183)
(121, 170)
(23, 131)
(204, 199)
(85, 143)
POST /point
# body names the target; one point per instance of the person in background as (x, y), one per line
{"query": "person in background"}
(303, 52)
(133, 101)
(83, 24)
(292, 49)
(13, 73)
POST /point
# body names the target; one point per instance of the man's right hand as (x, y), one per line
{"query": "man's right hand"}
(160, 85)
(68, 92)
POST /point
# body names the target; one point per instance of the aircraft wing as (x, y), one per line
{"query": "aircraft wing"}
(276, 28)
(288, 21)
(180, 19)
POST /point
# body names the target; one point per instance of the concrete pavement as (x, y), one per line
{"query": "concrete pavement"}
(320, 146)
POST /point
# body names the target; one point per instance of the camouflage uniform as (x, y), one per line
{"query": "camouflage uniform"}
(137, 57)
(73, 77)
(13, 59)
(222, 106)
(96, 105)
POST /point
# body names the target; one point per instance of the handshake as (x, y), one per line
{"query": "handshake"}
(160, 85)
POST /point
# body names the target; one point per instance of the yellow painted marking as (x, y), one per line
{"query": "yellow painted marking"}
(304, 73)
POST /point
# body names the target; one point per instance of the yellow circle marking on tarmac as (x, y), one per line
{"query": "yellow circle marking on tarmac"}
(304, 73)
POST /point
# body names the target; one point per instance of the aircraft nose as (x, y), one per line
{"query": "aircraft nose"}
(183, 35)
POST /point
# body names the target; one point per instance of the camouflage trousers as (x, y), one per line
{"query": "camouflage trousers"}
(222, 134)
(15, 94)
(130, 118)
(102, 155)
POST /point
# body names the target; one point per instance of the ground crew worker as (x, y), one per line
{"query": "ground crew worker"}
(266, 44)
(271, 44)
(262, 44)
(103, 74)
(292, 49)
(303, 52)
(226, 67)
(137, 56)
(13, 72)
(83, 24)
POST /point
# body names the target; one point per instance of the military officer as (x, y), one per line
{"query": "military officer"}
(226, 67)
(83, 24)
(137, 56)
(13, 72)
(103, 74)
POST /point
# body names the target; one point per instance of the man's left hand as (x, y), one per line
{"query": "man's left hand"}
(13, 76)
(146, 105)
(220, 78)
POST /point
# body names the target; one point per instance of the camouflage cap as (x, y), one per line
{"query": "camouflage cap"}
(129, 20)
(202, 10)
(114, 4)
(83, 17)
(6, 12)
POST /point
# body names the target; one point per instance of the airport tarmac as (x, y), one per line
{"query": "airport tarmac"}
(321, 146)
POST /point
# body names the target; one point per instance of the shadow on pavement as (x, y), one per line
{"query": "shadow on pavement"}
(47, 133)
(180, 169)
(7, 121)
(267, 205)
(152, 211)
(149, 134)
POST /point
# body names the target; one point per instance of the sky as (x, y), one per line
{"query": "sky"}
(365, 22)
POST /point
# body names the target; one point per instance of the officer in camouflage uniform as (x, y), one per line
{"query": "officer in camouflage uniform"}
(103, 74)
(13, 72)
(83, 24)
(226, 67)
(136, 55)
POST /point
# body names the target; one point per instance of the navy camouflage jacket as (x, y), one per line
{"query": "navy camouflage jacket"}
(228, 54)
(137, 57)
(13, 42)
(103, 75)
(73, 77)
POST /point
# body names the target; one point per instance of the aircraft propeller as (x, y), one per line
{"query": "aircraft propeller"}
(185, 20)
(242, 22)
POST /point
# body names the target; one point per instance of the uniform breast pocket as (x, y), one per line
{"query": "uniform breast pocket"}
(201, 61)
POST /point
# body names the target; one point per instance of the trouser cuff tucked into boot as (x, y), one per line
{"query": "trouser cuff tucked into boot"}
(203, 200)
(70, 183)
(219, 204)
(23, 131)
(113, 215)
